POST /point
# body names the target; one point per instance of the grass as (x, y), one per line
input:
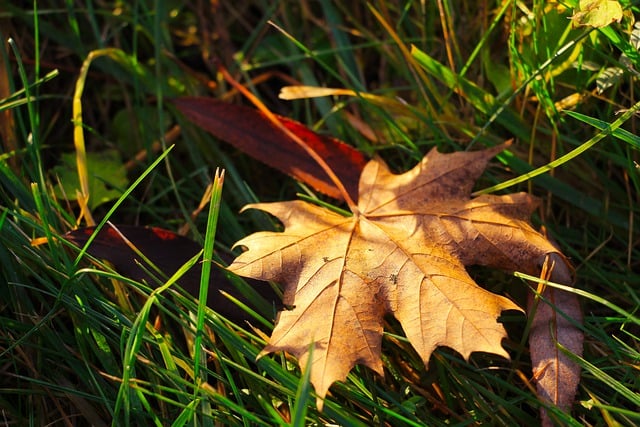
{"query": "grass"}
(80, 345)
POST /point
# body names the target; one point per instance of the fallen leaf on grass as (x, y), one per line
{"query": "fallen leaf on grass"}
(250, 131)
(403, 252)
(554, 325)
(167, 251)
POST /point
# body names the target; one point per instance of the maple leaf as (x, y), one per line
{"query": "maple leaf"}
(403, 252)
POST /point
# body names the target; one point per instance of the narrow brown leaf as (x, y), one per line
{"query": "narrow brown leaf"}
(168, 251)
(403, 252)
(248, 130)
(557, 376)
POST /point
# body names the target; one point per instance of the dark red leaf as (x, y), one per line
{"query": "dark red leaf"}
(250, 131)
(168, 251)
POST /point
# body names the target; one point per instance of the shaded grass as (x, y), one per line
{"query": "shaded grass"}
(68, 332)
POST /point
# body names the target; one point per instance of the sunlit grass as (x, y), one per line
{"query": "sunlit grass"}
(80, 344)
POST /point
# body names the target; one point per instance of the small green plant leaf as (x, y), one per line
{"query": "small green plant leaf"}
(107, 176)
(597, 13)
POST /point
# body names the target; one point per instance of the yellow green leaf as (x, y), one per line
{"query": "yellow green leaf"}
(107, 176)
(597, 13)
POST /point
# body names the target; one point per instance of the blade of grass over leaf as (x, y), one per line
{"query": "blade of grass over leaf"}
(629, 319)
(121, 200)
(627, 315)
(556, 322)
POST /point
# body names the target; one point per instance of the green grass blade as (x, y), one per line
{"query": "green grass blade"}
(622, 134)
(303, 395)
(567, 157)
(199, 356)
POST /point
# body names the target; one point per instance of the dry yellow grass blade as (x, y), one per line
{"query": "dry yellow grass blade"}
(78, 133)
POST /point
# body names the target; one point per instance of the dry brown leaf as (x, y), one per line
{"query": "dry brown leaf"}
(403, 252)
(554, 322)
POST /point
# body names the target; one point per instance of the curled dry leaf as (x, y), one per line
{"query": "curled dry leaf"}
(554, 322)
(403, 252)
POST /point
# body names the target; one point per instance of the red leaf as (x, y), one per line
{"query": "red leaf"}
(250, 131)
(168, 251)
